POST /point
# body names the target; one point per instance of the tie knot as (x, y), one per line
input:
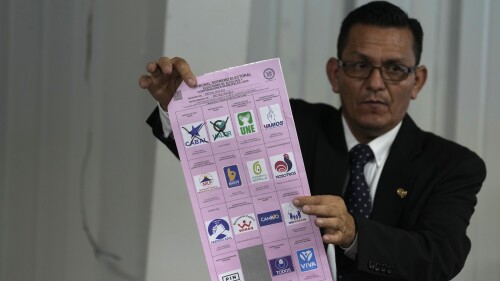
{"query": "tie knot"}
(360, 155)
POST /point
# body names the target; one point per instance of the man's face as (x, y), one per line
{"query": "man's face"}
(372, 106)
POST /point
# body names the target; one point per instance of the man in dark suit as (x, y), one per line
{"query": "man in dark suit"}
(421, 188)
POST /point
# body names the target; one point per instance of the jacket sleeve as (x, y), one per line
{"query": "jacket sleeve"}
(154, 122)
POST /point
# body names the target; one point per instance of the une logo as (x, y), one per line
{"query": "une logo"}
(246, 123)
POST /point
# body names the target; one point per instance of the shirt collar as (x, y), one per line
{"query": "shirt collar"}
(380, 145)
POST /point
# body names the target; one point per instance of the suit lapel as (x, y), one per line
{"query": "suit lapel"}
(397, 174)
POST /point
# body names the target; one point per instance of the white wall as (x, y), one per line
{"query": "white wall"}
(72, 117)
(458, 102)
(203, 32)
(72, 127)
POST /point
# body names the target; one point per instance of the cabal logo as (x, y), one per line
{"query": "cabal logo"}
(268, 218)
(245, 223)
(257, 171)
(307, 259)
(194, 134)
(246, 123)
(232, 175)
(283, 165)
(220, 128)
(293, 215)
(281, 265)
(218, 230)
(235, 275)
(271, 116)
(206, 181)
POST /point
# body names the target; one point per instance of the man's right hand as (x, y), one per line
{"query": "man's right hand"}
(164, 78)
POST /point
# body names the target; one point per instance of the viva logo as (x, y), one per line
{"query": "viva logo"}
(307, 259)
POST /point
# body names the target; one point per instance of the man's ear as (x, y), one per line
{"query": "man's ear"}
(420, 78)
(332, 69)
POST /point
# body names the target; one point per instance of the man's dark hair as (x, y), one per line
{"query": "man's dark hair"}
(381, 14)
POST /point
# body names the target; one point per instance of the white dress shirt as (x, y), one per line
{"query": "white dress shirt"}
(380, 147)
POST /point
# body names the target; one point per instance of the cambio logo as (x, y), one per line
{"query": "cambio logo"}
(268, 218)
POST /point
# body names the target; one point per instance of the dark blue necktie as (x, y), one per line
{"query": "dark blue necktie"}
(357, 196)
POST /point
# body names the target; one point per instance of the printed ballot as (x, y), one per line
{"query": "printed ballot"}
(242, 164)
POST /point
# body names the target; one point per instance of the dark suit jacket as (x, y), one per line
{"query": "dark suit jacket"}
(419, 237)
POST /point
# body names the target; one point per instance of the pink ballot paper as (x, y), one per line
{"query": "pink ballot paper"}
(243, 167)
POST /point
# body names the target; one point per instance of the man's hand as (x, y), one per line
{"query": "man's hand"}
(164, 78)
(332, 215)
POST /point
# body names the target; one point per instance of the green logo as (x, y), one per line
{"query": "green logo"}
(245, 118)
(257, 169)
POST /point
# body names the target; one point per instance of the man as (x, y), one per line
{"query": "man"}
(412, 220)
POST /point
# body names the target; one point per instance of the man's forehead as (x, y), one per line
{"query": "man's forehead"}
(369, 41)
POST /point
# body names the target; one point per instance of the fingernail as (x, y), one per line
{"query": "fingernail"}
(295, 202)
(306, 208)
(319, 221)
(191, 82)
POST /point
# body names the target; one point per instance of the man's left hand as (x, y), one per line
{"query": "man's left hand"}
(331, 215)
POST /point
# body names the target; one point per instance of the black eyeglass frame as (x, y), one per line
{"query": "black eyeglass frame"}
(406, 70)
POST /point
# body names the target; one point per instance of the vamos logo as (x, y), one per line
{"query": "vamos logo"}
(232, 175)
(292, 214)
(271, 116)
(194, 134)
(284, 165)
(246, 123)
(257, 171)
(206, 181)
(218, 230)
(281, 265)
(307, 259)
(245, 223)
(268, 218)
(220, 128)
(235, 275)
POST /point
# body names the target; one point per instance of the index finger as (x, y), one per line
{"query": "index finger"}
(315, 200)
(183, 69)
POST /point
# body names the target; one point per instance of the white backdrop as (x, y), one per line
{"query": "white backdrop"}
(459, 100)
(72, 120)
(72, 127)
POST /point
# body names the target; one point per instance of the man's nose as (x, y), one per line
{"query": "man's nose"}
(375, 82)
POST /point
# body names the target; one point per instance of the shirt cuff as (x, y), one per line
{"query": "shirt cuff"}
(165, 122)
(352, 250)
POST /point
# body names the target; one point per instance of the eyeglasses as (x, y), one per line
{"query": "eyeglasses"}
(390, 71)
